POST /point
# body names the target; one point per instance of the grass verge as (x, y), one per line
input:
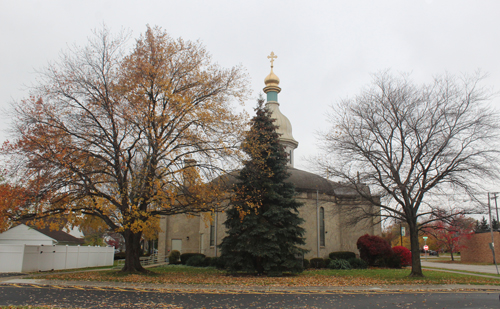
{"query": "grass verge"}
(323, 277)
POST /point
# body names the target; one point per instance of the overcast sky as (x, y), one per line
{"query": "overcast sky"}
(327, 50)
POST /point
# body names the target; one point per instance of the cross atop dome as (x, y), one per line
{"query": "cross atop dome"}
(272, 56)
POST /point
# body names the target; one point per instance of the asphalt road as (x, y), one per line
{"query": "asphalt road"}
(99, 297)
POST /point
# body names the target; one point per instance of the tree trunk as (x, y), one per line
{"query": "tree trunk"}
(416, 266)
(258, 265)
(133, 252)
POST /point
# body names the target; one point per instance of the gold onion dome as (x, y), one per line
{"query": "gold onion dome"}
(272, 81)
(284, 127)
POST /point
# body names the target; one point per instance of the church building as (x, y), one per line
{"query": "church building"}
(327, 205)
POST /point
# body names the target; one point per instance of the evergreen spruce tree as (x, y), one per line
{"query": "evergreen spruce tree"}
(494, 224)
(482, 226)
(263, 225)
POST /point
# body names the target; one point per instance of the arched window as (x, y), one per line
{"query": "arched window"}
(212, 231)
(322, 227)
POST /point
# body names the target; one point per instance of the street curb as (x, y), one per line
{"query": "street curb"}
(230, 288)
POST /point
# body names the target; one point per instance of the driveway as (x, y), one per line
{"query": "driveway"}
(487, 269)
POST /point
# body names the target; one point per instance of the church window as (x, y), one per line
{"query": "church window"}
(212, 231)
(322, 227)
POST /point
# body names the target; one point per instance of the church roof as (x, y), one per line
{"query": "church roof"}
(309, 182)
(306, 182)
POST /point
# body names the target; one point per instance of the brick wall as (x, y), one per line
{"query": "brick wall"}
(477, 249)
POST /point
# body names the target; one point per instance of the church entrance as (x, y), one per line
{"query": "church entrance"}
(177, 245)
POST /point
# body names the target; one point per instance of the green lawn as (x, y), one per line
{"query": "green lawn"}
(324, 277)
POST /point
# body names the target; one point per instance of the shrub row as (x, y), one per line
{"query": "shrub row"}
(175, 257)
(205, 261)
(339, 264)
(195, 260)
(351, 263)
(374, 251)
(342, 255)
(186, 256)
(199, 260)
(318, 263)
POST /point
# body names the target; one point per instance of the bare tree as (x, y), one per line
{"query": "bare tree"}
(410, 143)
(128, 136)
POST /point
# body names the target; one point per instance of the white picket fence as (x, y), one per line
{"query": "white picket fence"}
(29, 258)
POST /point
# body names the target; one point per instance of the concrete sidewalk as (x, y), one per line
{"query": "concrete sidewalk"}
(487, 269)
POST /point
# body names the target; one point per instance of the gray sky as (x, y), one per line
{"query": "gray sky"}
(326, 49)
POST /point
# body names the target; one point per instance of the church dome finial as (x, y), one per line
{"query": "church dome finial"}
(272, 81)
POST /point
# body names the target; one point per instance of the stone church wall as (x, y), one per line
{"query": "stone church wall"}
(178, 231)
(339, 234)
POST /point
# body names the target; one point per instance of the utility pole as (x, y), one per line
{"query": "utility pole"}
(496, 206)
(492, 244)
(215, 232)
(317, 223)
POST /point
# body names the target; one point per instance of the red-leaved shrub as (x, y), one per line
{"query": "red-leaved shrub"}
(373, 248)
(404, 254)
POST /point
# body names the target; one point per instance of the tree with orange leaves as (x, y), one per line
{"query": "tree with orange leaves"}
(110, 132)
(11, 199)
(17, 195)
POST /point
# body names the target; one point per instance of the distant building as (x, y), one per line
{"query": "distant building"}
(23, 234)
(477, 248)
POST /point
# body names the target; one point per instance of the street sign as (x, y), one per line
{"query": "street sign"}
(403, 231)
(426, 247)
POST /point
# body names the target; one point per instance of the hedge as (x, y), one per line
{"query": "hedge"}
(318, 263)
(186, 256)
(342, 255)
(358, 263)
(339, 264)
(196, 261)
(374, 250)
(173, 257)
